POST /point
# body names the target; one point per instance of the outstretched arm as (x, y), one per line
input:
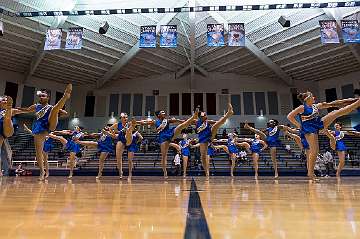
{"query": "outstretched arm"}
(26, 128)
(289, 129)
(336, 103)
(294, 137)
(63, 132)
(353, 133)
(63, 113)
(264, 145)
(17, 111)
(291, 116)
(256, 131)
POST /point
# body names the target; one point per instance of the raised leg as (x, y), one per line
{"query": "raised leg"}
(185, 163)
(204, 159)
(332, 116)
(102, 158)
(89, 144)
(164, 147)
(256, 164)
(341, 165)
(221, 121)
(296, 138)
(331, 138)
(54, 114)
(39, 140)
(119, 154)
(46, 164)
(72, 158)
(274, 161)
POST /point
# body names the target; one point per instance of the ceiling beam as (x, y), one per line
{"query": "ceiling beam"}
(258, 53)
(35, 62)
(134, 50)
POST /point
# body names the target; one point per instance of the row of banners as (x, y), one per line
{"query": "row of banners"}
(215, 35)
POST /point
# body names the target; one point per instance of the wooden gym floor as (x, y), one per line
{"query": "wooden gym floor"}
(149, 207)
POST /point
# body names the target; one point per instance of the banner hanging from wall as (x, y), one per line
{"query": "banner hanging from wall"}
(328, 32)
(74, 38)
(168, 36)
(236, 34)
(350, 31)
(215, 35)
(147, 37)
(53, 39)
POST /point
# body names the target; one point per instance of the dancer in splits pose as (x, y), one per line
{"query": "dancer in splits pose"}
(46, 121)
(311, 122)
(337, 144)
(104, 145)
(124, 136)
(271, 136)
(166, 133)
(256, 146)
(207, 130)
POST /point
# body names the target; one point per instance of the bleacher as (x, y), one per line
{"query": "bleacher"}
(23, 151)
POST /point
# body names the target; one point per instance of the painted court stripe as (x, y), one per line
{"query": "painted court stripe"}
(196, 225)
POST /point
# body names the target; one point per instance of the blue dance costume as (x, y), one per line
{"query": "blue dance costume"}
(204, 131)
(211, 150)
(41, 123)
(310, 120)
(185, 149)
(166, 133)
(304, 142)
(48, 145)
(71, 146)
(122, 132)
(232, 147)
(340, 144)
(255, 146)
(272, 137)
(105, 144)
(134, 147)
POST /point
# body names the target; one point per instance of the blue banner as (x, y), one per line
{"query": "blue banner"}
(147, 37)
(350, 31)
(236, 34)
(53, 39)
(328, 31)
(74, 38)
(168, 36)
(215, 35)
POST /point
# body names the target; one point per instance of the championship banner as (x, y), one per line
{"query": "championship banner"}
(328, 32)
(350, 31)
(236, 34)
(53, 39)
(215, 35)
(147, 37)
(168, 36)
(74, 38)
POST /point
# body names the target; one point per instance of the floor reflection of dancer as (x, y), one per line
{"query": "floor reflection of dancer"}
(46, 120)
(207, 130)
(311, 122)
(166, 133)
(104, 146)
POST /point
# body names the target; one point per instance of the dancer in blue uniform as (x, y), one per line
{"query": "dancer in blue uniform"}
(232, 149)
(123, 131)
(104, 145)
(256, 146)
(337, 143)
(184, 148)
(132, 148)
(167, 133)
(46, 121)
(271, 136)
(70, 144)
(207, 130)
(48, 147)
(311, 122)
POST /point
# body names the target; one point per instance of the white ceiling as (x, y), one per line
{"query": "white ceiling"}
(289, 53)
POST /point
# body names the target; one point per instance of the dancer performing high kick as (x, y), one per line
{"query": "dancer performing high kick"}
(46, 120)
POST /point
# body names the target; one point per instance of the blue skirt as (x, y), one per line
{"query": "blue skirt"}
(273, 143)
(105, 148)
(233, 149)
(340, 146)
(210, 151)
(133, 148)
(312, 126)
(185, 152)
(40, 126)
(166, 135)
(72, 147)
(48, 147)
